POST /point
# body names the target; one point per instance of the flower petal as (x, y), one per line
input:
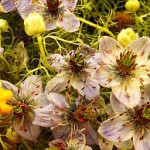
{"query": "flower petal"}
(7, 85)
(116, 129)
(141, 142)
(128, 93)
(32, 86)
(141, 48)
(28, 130)
(116, 104)
(51, 23)
(109, 49)
(69, 22)
(147, 93)
(88, 88)
(104, 144)
(8, 5)
(1, 51)
(105, 76)
(71, 4)
(59, 83)
(47, 116)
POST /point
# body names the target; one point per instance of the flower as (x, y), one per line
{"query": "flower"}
(75, 69)
(23, 105)
(55, 13)
(76, 142)
(11, 5)
(126, 36)
(132, 5)
(4, 25)
(124, 70)
(34, 24)
(5, 95)
(127, 123)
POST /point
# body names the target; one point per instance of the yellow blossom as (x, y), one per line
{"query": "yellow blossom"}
(34, 24)
(132, 5)
(4, 25)
(5, 95)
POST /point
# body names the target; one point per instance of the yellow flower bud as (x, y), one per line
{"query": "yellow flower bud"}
(3, 25)
(34, 24)
(12, 135)
(132, 5)
(126, 36)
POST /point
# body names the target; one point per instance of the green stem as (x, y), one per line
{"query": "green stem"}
(39, 38)
(97, 26)
(0, 38)
(26, 145)
(136, 20)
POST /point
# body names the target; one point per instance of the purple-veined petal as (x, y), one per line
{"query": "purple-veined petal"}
(59, 83)
(140, 141)
(141, 48)
(51, 23)
(88, 88)
(31, 86)
(128, 93)
(109, 49)
(9, 86)
(69, 22)
(116, 104)
(48, 116)
(28, 130)
(71, 4)
(116, 129)
(8, 5)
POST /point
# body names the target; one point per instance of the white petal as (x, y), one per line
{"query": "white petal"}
(32, 86)
(41, 100)
(71, 4)
(141, 48)
(59, 83)
(116, 129)
(89, 88)
(48, 116)
(57, 61)
(7, 85)
(105, 76)
(51, 23)
(61, 132)
(128, 93)
(8, 5)
(124, 145)
(1, 51)
(141, 142)
(147, 93)
(109, 49)
(104, 144)
(58, 100)
(28, 130)
(116, 104)
(69, 22)
(109, 110)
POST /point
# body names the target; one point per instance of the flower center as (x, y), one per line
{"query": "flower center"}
(126, 64)
(76, 62)
(53, 6)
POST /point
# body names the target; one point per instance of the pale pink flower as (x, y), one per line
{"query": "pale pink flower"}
(124, 70)
(55, 13)
(129, 122)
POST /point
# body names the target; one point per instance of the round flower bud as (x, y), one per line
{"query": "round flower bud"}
(3, 25)
(126, 36)
(34, 24)
(12, 135)
(132, 5)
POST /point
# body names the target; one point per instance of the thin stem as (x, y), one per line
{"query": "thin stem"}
(97, 27)
(39, 38)
(26, 145)
(136, 20)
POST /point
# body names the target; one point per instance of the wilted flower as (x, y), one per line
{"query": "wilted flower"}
(128, 123)
(55, 13)
(3, 25)
(124, 70)
(5, 95)
(75, 70)
(23, 105)
(34, 24)
(132, 5)
(126, 36)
